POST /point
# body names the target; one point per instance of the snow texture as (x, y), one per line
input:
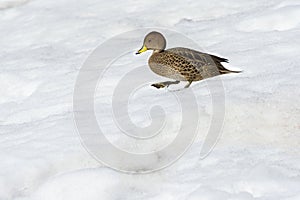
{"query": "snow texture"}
(43, 45)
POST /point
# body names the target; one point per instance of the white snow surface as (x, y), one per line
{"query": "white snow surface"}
(43, 45)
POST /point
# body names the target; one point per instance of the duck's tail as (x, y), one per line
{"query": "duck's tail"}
(221, 68)
(227, 71)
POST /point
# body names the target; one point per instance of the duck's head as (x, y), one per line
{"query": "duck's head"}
(153, 41)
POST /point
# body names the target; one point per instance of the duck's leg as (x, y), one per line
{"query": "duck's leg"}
(188, 85)
(164, 84)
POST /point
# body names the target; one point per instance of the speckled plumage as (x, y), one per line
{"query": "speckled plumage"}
(180, 64)
(186, 64)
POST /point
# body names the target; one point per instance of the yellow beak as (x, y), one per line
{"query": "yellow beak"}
(143, 49)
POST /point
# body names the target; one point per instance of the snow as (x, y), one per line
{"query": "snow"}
(44, 44)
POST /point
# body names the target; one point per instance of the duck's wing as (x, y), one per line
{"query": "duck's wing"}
(191, 54)
(200, 59)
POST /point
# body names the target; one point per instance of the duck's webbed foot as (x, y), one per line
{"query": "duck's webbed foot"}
(164, 84)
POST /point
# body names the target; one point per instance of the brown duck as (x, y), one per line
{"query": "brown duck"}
(180, 64)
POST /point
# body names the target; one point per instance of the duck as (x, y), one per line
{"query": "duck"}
(180, 63)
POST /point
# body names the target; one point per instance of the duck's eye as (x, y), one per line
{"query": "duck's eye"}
(149, 40)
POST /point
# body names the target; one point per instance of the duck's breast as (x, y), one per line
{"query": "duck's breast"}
(167, 65)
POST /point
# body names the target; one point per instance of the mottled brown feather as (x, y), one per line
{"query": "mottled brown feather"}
(185, 64)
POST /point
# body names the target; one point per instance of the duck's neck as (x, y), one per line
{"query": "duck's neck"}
(157, 51)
